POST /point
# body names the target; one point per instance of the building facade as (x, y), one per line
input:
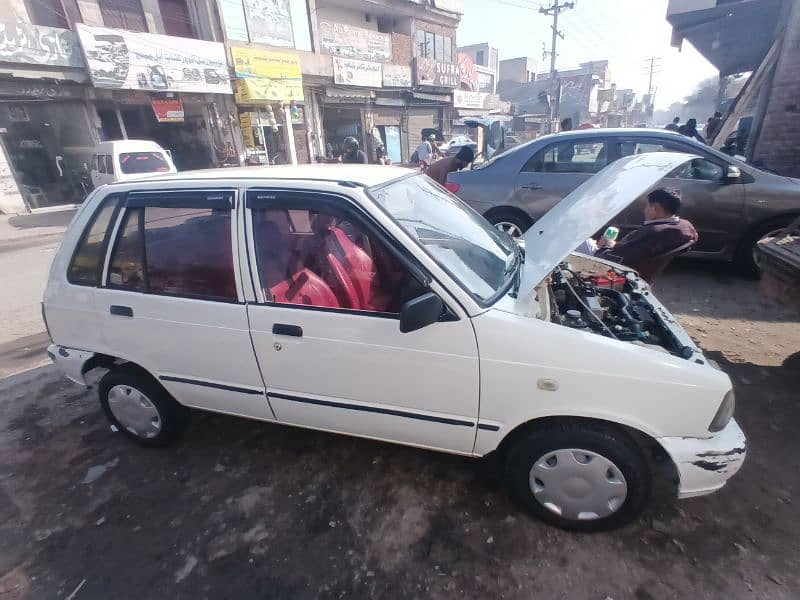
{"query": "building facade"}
(517, 70)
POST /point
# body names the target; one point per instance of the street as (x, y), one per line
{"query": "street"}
(245, 509)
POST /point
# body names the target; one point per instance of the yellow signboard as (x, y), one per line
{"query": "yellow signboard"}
(266, 76)
(247, 130)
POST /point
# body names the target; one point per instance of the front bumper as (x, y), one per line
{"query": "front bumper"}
(70, 361)
(705, 464)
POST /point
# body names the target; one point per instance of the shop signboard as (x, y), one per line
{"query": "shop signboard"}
(266, 76)
(269, 22)
(246, 123)
(431, 73)
(396, 76)
(119, 59)
(355, 42)
(468, 73)
(167, 110)
(36, 45)
(475, 100)
(362, 73)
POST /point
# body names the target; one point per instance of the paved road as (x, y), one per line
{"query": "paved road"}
(241, 509)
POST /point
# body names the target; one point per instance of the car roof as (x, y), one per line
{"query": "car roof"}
(614, 131)
(128, 144)
(362, 175)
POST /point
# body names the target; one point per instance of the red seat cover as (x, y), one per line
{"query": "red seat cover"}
(360, 268)
(343, 284)
(304, 287)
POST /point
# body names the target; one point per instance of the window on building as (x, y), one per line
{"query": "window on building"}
(322, 257)
(175, 251)
(479, 58)
(448, 50)
(49, 13)
(123, 14)
(430, 45)
(87, 262)
(177, 21)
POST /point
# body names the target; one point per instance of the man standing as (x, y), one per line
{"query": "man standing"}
(439, 170)
(674, 125)
(661, 233)
(713, 126)
(352, 153)
(689, 129)
(425, 151)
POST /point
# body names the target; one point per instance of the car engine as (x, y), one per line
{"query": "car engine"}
(609, 304)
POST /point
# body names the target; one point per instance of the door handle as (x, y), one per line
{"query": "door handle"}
(121, 311)
(292, 330)
(531, 186)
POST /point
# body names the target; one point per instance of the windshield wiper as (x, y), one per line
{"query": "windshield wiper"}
(520, 258)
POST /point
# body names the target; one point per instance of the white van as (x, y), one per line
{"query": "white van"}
(123, 160)
(367, 300)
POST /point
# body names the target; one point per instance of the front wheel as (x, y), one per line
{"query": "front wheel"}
(511, 222)
(580, 477)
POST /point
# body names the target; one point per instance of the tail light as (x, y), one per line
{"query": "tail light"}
(452, 187)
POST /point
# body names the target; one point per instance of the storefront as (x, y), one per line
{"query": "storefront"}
(174, 91)
(432, 103)
(271, 106)
(45, 130)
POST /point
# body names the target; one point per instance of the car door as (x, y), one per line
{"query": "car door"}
(326, 330)
(171, 300)
(712, 203)
(554, 171)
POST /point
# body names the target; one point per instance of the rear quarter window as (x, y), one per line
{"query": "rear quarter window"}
(143, 162)
(86, 265)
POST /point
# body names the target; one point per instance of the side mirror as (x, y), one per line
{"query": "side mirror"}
(733, 173)
(420, 312)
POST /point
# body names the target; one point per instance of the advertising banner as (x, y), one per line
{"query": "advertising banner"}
(32, 44)
(467, 70)
(167, 110)
(396, 76)
(475, 100)
(348, 71)
(269, 22)
(431, 73)
(246, 124)
(264, 75)
(355, 42)
(119, 59)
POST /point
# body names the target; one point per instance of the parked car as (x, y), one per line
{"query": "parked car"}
(123, 160)
(732, 204)
(354, 299)
(779, 260)
(455, 144)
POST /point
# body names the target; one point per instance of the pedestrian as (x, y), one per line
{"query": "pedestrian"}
(713, 126)
(381, 156)
(674, 126)
(352, 153)
(689, 129)
(566, 124)
(439, 170)
(425, 151)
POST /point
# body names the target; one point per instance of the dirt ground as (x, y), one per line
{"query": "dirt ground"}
(241, 509)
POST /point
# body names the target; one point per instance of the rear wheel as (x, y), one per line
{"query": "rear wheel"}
(747, 255)
(513, 222)
(140, 408)
(580, 477)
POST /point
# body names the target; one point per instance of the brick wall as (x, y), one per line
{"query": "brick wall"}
(778, 146)
(401, 49)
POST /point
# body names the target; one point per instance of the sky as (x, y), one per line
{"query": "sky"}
(626, 32)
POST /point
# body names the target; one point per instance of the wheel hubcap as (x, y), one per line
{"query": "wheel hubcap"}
(134, 411)
(509, 228)
(578, 484)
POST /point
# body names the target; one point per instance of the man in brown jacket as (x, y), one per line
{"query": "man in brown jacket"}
(438, 171)
(661, 233)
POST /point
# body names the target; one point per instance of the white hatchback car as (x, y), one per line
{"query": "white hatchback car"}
(367, 300)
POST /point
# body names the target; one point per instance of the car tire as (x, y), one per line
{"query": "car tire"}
(513, 222)
(745, 253)
(141, 408)
(604, 482)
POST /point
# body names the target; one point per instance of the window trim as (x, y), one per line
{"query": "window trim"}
(287, 199)
(107, 237)
(174, 199)
(575, 140)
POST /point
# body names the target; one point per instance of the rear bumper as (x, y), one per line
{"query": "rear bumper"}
(705, 464)
(70, 361)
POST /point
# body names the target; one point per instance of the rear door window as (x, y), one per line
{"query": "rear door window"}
(86, 265)
(143, 162)
(571, 156)
(109, 164)
(101, 163)
(175, 250)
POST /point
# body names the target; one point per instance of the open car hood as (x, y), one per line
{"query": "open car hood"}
(581, 214)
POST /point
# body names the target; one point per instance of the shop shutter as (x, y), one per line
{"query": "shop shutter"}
(123, 14)
(418, 120)
(176, 18)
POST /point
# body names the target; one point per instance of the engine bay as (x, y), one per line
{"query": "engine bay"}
(612, 304)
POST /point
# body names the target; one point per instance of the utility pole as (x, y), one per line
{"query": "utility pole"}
(652, 61)
(553, 10)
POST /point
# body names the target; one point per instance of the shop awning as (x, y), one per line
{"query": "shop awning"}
(447, 99)
(31, 75)
(346, 94)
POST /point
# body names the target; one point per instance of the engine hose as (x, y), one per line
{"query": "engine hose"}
(624, 307)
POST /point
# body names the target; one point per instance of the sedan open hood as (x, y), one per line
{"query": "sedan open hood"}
(597, 201)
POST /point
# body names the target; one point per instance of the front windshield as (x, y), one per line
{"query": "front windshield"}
(477, 255)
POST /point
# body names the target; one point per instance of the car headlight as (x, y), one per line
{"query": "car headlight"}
(724, 413)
